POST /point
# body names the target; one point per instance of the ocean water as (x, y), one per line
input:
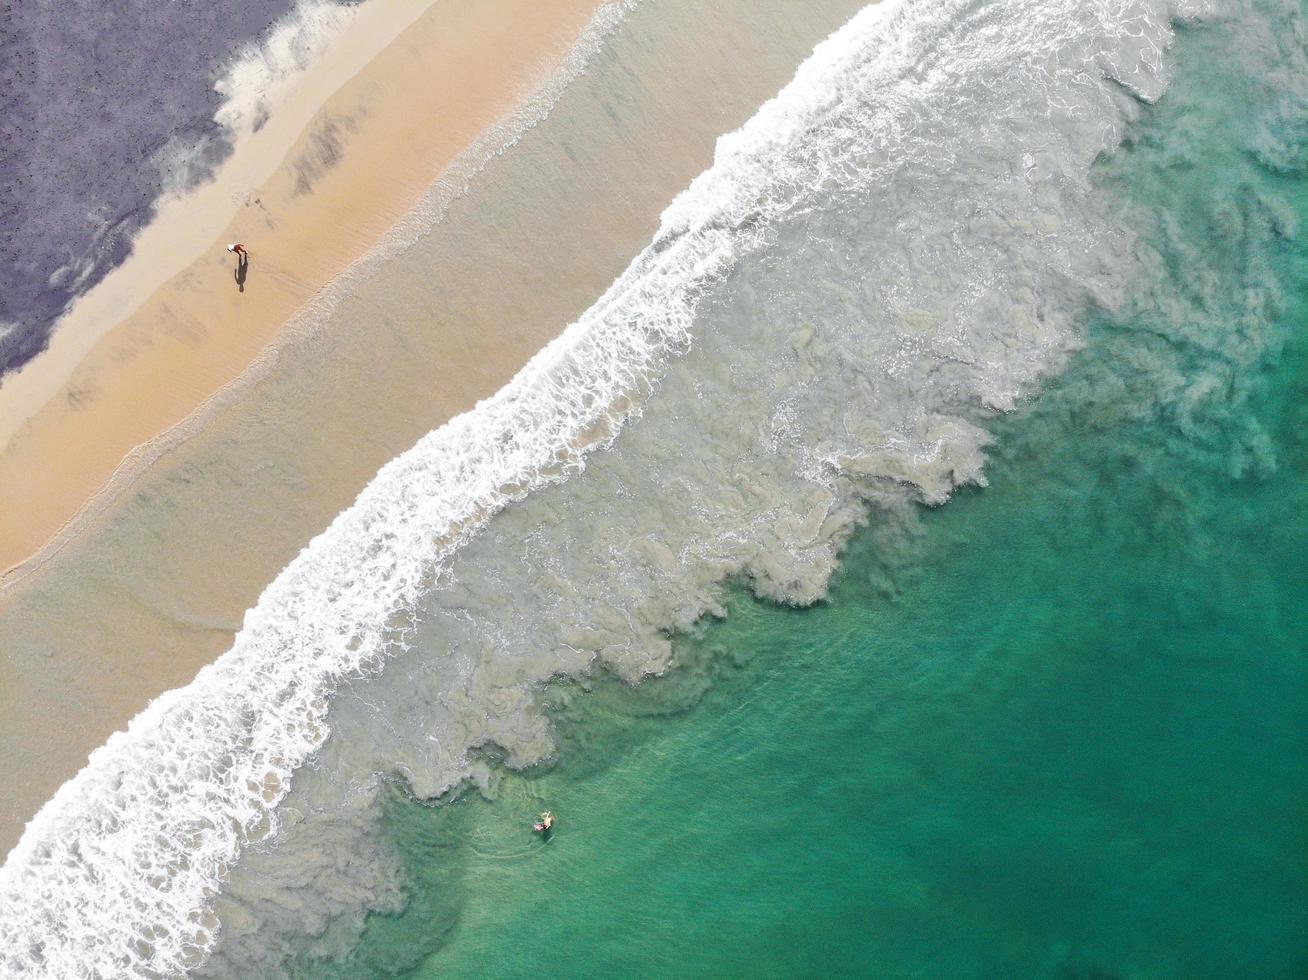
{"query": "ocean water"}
(104, 109)
(934, 221)
(1055, 728)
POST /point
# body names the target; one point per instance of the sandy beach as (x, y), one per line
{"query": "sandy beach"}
(309, 193)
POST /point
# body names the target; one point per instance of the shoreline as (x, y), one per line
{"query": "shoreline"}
(157, 582)
(341, 167)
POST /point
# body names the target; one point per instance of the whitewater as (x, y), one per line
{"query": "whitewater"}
(899, 245)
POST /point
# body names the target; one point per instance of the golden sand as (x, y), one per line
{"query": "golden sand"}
(359, 164)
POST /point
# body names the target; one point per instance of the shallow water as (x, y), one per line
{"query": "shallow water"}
(1056, 727)
(1060, 732)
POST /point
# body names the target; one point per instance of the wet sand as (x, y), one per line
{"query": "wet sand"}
(154, 584)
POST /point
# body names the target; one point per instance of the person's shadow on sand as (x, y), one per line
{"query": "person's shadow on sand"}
(242, 270)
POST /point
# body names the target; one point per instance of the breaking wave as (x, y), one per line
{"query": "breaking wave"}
(901, 243)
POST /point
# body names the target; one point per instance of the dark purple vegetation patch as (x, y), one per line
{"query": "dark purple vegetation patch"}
(101, 103)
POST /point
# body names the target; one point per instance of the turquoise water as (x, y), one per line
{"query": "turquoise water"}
(1057, 727)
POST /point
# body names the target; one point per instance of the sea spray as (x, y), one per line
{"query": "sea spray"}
(899, 244)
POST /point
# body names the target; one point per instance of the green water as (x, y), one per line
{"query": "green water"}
(1057, 727)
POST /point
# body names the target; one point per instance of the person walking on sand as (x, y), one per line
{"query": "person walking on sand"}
(242, 263)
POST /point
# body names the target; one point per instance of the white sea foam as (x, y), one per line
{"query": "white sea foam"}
(255, 78)
(121, 872)
(262, 71)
